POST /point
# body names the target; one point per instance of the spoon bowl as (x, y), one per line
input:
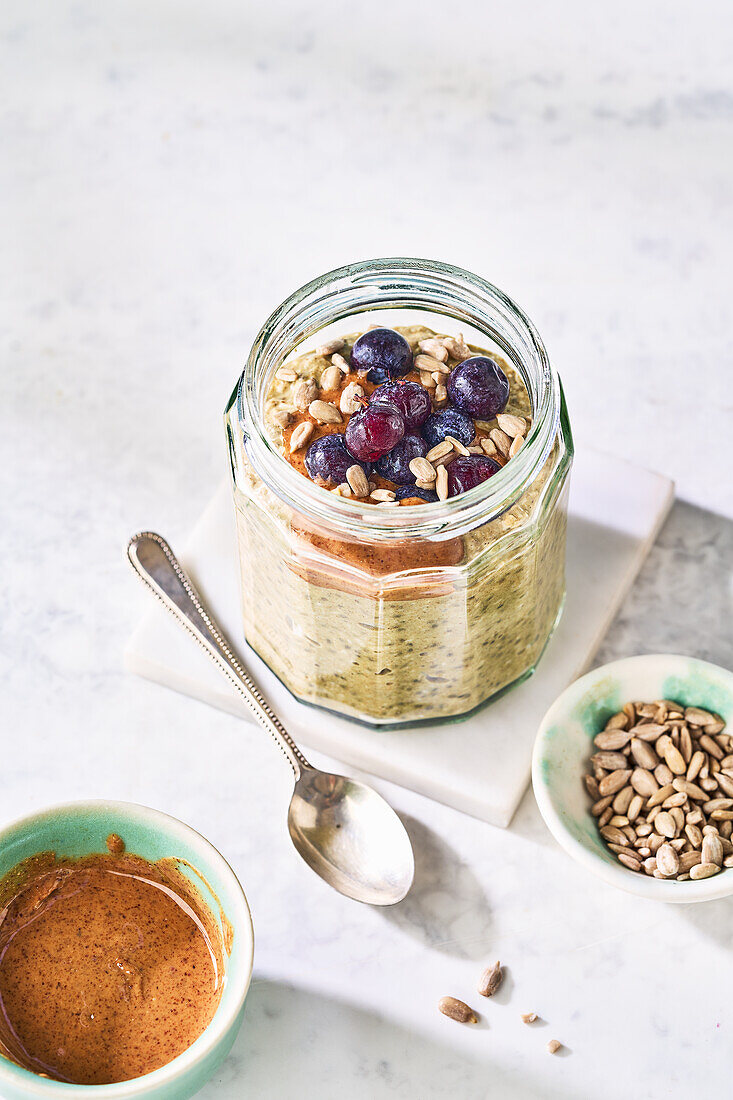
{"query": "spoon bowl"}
(344, 830)
(351, 837)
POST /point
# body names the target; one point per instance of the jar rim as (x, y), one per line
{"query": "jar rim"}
(388, 283)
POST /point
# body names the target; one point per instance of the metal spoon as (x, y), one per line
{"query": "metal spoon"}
(344, 830)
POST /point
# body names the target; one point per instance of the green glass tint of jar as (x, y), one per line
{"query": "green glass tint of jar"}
(400, 615)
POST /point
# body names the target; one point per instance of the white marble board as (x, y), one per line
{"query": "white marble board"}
(480, 765)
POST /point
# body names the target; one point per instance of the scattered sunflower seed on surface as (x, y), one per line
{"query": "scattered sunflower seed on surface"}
(457, 1010)
(490, 980)
(553, 1046)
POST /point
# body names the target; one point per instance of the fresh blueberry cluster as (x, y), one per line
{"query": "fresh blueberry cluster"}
(398, 424)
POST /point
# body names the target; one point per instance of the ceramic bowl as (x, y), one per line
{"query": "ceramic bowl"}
(565, 742)
(81, 828)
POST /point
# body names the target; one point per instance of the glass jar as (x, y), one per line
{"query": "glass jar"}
(395, 616)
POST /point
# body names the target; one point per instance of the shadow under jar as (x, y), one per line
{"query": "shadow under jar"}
(400, 615)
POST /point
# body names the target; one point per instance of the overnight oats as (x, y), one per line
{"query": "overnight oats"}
(400, 454)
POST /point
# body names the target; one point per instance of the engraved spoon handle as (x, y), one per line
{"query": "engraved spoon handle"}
(153, 559)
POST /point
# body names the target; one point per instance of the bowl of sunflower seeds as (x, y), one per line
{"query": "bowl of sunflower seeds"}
(633, 775)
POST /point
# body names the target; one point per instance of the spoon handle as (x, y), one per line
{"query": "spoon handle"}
(153, 559)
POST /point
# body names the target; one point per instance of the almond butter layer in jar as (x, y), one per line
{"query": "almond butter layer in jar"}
(400, 454)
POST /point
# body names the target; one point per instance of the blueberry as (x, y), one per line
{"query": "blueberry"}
(465, 473)
(374, 431)
(382, 352)
(479, 387)
(395, 466)
(412, 399)
(377, 375)
(408, 492)
(327, 460)
(449, 422)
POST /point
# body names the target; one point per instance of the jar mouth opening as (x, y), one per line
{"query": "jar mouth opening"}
(417, 285)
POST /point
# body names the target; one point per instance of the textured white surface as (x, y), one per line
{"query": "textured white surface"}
(170, 170)
(480, 765)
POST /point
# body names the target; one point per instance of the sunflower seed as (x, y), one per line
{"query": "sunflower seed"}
(725, 783)
(690, 789)
(611, 740)
(667, 860)
(358, 481)
(457, 348)
(428, 363)
(324, 412)
(629, 860)
(618, 721)
(674, 801)
(712, 849)
(698, 717)
(501, 440)
(511, 425)
(456, 445)
(688, 860)
(330, 347)
(553, 1046)
(340, 362)
(490, 980)
(674, 760)
(663, 775)
(622, 801)
(644, 754)
(286, 374)
(331, 378)
(704, 870)
(441, 488)
(303, 392)
(517, 444)
(300, 436)
(350, 401)
(642, 781)
(712, 747)
(529, 1017)
(440, 397)
(659, 795)
(612, 783)
(611, 761)
(614, 835)
(382, 496)
(717, 804)
(457, 1010)
(435, 348)
(664, 823)
(438, 451)
(423, 470)
(283, 417)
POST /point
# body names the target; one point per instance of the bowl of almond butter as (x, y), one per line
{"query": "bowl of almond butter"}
(633, 775)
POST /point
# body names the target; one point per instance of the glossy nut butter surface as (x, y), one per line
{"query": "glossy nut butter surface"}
(110, 966)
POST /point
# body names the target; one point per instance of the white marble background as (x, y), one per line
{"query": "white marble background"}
(169, 171)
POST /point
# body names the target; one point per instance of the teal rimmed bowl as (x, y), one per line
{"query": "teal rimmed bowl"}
(565, 742)
(81, 828)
